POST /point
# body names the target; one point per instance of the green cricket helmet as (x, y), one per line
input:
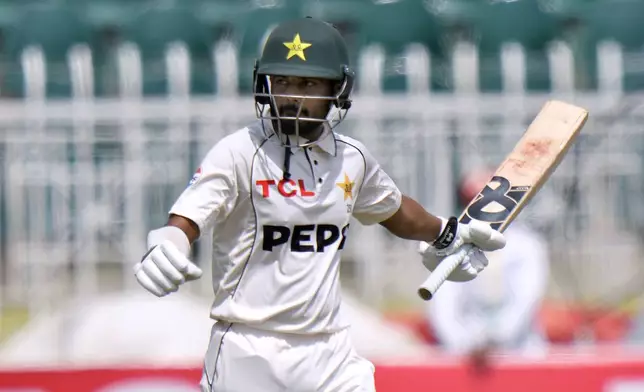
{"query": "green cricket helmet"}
(308, 48)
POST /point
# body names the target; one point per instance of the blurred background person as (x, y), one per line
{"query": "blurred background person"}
(499, 310)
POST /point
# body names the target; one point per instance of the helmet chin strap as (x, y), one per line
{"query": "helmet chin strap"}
(287, 159)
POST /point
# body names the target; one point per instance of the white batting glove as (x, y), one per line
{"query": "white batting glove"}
(166, 266)
(474, 261)
(455, 235)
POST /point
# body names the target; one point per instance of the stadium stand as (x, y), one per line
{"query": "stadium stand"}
(492, 25)
(368, 23)
(384, 29)
(593, 23)
(41, 36)
(156, 31)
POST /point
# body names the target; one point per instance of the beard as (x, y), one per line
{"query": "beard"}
(304, 128)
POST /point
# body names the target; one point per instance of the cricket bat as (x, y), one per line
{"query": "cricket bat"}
(518, 178)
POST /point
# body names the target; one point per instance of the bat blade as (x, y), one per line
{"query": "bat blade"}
(523, 172)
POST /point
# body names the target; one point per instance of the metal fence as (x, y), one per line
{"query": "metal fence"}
(81, 183)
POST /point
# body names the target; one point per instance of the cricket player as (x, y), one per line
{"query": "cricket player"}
(278, 196)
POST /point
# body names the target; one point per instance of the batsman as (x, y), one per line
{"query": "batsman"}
(278, 196)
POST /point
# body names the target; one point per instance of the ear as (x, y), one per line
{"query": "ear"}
(260, 87)
(334, 89)
(344, 100)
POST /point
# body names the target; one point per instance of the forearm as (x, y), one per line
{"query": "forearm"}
(190, 229)
(413, 222)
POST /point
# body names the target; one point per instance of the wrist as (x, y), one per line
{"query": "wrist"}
(433, 232)
(447, 233)
(172, 234)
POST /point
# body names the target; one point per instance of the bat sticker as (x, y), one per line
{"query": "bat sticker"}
(504, 195)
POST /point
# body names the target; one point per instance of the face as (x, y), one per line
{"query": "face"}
(312, 108)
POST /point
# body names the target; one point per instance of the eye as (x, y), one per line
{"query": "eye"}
(280, 81)
(311, 83)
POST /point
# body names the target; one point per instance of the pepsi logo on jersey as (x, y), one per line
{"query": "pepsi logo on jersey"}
(286, 188)
(303, 238)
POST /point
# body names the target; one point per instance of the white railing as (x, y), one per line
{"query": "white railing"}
(84, 181)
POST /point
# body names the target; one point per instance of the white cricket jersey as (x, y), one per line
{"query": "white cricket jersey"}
(277, 242)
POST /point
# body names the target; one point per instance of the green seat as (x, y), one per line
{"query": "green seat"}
(102, 14)
(9, 11)
(220, 15)
(603, 20)
(107, 19)
(393, 25)
(11, 82)
(620, 20)
(154, 29)
(346, 15)
(55, 29)
(490, 25)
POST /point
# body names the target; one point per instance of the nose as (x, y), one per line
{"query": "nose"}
(286, 98)
(296, 92)
(295, 102)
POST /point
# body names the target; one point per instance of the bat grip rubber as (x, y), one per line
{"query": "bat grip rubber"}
(444, 269)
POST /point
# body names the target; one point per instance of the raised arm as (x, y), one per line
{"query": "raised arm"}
(413, 222)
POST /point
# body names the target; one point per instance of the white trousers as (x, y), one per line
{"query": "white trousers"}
(244, 359)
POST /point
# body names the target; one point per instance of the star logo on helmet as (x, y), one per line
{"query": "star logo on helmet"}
(296, 48)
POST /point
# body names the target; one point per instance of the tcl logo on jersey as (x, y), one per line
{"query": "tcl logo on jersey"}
(286, 188)
(304, 238)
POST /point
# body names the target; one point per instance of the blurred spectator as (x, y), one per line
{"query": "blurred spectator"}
(499, 309)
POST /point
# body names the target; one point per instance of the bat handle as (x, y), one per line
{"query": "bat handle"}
(444, 269)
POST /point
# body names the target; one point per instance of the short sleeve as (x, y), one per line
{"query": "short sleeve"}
(378, 197)
(212, 192)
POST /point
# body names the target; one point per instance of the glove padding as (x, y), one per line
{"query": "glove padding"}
(455, 235)
(164, 268)
(474, 261)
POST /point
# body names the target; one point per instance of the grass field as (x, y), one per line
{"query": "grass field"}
(12, 319)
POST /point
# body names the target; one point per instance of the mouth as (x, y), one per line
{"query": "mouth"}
(290, 111)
